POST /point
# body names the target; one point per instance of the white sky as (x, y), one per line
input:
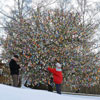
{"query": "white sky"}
(10, 2)
(12, 93)
(6, 5)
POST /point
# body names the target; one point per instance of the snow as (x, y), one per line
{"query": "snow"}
(12, 93)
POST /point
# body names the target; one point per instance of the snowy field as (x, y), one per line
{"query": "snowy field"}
(11, 93)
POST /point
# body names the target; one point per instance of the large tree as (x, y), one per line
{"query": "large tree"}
(58, 33)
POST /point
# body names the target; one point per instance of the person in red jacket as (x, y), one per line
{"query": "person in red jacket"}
(57, 76)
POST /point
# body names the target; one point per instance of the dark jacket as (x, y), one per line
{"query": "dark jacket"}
(14, 67)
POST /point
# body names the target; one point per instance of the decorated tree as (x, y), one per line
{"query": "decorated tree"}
(53, 33)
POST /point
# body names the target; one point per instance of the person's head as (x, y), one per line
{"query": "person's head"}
(58, 67)
(16, 57)
(53, 59)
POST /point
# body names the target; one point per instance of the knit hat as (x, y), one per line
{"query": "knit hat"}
(16, 56)
(58, 67)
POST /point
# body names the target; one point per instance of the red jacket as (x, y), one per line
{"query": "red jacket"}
(57, 75)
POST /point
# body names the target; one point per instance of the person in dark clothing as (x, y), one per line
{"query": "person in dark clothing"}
(14, 70)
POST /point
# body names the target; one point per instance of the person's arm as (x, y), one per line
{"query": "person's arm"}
(14, 65)
(51, 70)
(18, 66)
(11, 64)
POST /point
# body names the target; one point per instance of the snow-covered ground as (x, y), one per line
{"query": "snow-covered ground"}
(12, 93)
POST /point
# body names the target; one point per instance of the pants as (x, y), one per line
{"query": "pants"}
(58, 88)
(15, 79)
